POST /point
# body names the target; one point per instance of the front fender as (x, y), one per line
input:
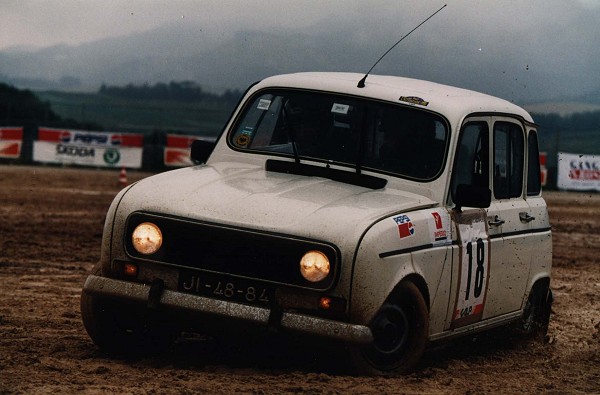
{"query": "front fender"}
(415, 245)
(106, 252)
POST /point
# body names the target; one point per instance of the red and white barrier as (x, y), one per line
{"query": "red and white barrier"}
(177, 151)
(11, 141)
(543, 168)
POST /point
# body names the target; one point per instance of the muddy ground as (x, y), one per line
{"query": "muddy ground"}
(50, 230)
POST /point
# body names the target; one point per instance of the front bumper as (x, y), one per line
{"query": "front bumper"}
(350, 333)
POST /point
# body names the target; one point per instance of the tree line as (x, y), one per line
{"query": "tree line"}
(21, 107)
(187, 91)
(581, 122)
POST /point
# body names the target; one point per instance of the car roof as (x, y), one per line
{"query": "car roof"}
(452, 102)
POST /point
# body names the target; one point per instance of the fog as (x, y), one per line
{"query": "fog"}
(524, 51)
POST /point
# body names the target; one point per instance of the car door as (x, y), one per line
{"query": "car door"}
(508, 219)
(491, 263)
(472, 258)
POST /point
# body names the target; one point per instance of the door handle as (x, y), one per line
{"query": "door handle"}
(525, 217)
(497, 221)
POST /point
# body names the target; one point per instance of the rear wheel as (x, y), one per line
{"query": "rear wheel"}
(536, 314)
(400, 331)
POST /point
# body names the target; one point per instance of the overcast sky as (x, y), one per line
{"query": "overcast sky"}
(47, 22)
(560, 39)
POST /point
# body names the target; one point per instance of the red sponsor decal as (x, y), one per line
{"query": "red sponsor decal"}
(438, 220)
(405, 226)
(440, 233)
(11, 150)
(584, 175)
(180, 141)
(176, 157)
(132, 140)
(11, 133)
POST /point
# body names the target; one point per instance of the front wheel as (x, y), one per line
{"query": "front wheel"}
(400, 334)
(120, 329)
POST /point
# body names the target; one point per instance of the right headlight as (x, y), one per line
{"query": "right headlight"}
(314, 266)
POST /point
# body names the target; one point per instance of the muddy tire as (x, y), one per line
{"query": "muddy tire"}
(125, 330)
(400, 331)
(536, 314)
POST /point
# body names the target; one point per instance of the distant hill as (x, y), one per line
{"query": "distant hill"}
(221, 60)
(562, 108)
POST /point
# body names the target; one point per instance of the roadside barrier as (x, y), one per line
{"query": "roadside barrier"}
(155, 152)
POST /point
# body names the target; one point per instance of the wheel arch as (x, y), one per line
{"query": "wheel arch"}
(541, 280)
(419, 282)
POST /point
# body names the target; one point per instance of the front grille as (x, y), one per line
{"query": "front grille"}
(240, 252)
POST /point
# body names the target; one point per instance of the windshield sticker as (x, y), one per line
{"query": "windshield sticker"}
(263, 104)
(414, 100)
(405, 226)
(340, 108)
(244, 137)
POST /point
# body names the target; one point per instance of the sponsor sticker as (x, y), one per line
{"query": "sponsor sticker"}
(111, 156)
(413, 100)
(439, 226)
(338, 108)
(405, 226)
(263, 104)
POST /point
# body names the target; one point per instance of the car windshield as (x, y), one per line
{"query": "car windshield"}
(343, 130)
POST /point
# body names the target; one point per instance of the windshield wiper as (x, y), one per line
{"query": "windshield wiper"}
(290, 133)
(361, 140)
(302, 169)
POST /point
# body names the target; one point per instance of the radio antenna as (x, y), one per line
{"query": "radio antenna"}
(361, 83)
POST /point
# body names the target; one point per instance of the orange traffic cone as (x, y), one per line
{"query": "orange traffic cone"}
(123, 177)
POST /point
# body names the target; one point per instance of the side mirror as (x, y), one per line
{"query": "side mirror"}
(472, 196)
(201, 150)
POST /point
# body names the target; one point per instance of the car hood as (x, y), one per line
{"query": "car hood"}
(247, 196)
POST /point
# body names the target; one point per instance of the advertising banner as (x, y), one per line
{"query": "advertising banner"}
(578, 172)
(177, 151)
(11, 140)
(97, 149)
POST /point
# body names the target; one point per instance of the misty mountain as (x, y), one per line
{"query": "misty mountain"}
(220, 60)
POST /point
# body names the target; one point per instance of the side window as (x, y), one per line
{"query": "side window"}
(471, 166)
(509, 156)
(534, 182)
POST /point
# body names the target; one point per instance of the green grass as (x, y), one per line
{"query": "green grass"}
(145, 116)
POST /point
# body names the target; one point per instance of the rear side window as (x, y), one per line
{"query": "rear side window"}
(534, 182)
(509, 155)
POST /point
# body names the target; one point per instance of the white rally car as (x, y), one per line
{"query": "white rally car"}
(385, 216)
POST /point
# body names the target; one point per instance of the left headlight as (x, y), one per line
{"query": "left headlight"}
(314, 266)
(146, 238)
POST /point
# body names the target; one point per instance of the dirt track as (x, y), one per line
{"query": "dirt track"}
(50, 231)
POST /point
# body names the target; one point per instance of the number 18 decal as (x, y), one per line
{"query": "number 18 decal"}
(474, 266)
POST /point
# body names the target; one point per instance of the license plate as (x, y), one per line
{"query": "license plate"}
(227, 288)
